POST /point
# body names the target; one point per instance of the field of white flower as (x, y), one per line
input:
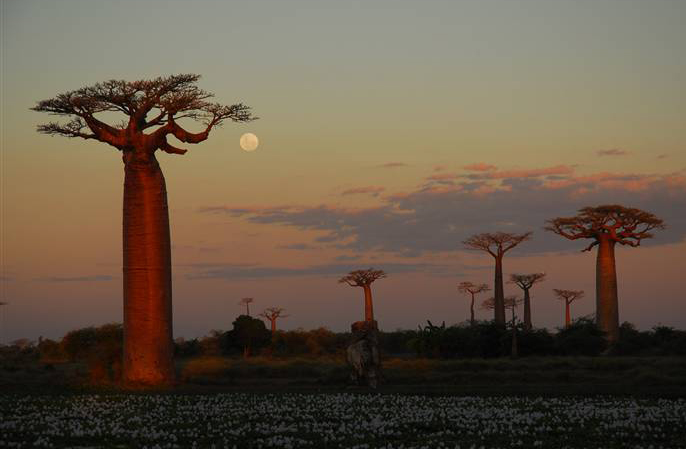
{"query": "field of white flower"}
(338, 421)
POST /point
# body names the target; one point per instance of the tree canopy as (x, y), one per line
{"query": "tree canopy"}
(496, 244)
(159, 102)
(362, 278)
(623, 225)
(469, 287)
(526, 281)
(568, 296)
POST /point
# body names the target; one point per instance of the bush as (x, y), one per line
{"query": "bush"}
(248, 336)
(582, 337)
(632, 341)
(100, 347)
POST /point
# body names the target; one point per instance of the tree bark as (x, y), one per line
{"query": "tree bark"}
(607, 308)
(368, 306)
(273, 326)
(499, 295)
(527, 310)
(148, 344)
(471, 310)
(568, 315)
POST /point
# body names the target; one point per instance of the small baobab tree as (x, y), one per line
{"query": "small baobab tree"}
(364, 279)
(606, 226)
(272, 314)
(525, 282)
(472, 289)
(497, 244)
(246, 302)
(511, 302)
(152, 110)
(568, 296)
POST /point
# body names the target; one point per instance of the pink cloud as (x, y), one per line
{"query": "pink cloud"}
(526, 173)
(441, 177)
(612, 152)
(392, 165)
(480, 166)
(373, 190)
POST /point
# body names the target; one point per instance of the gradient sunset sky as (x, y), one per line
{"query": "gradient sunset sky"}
(389, 132)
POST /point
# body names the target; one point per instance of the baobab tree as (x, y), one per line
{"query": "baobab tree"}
(497, 244)
(511, 302)
(151, 109)
(568, 296)
(246, 302)
(272, 314)
(525, 282)
(364, 279)
(606, 226)
(472, 289)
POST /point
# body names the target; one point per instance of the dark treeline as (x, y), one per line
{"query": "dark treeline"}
(101, 347)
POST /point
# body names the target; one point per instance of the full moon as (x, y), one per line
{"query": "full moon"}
(249, 141)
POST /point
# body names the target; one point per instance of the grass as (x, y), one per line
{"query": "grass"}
(662, 376)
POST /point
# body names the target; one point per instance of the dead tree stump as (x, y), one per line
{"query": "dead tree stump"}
(363, 353)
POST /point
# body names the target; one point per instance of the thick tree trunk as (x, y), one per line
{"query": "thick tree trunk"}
(499, 295)
(527, 310)
(607, 308)
(273, 326)
(368, 306)
(568, 315)
(148, 344)
(472, 321)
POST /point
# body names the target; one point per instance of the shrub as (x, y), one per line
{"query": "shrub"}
(100, 347)
(582, 337)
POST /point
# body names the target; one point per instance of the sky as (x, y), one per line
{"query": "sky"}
(390, 131)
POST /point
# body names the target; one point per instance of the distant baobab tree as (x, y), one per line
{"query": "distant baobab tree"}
(272, 314)
(607, 225)
(511, 302)
(568, 296)
(246, 302)
(364, 279)
(151, 109)
(525, 282)
(472, 289)
(497, 244)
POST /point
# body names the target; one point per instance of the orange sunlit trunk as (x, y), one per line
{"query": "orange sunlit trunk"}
(273, 326)
(148, 345)
(607, 309)
(368, 306)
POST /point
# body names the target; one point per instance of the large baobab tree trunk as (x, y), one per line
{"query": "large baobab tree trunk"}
(527, 310)
(499, 293)
(368, 306)
(148, 345)
(607, 308)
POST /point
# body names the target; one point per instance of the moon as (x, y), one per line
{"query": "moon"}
(249, 142)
